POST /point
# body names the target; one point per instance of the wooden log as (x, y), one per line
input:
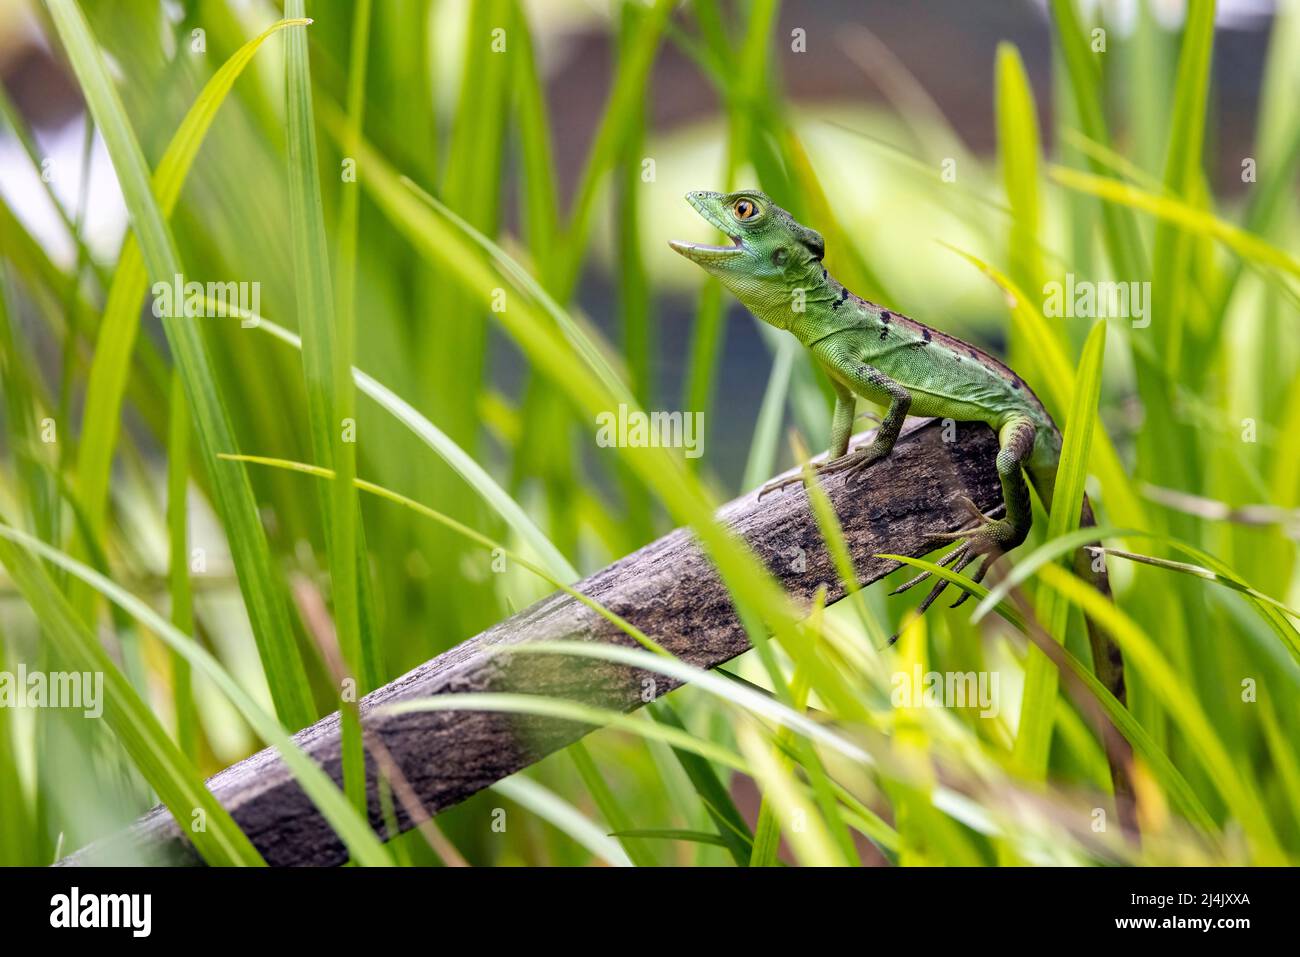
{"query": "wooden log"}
(669, 589)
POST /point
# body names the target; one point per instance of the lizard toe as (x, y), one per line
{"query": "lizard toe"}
(977, 577)
(945, 561)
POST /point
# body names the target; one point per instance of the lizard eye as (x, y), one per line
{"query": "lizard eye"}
(744, 209)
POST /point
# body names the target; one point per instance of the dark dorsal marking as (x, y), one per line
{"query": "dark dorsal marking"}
(810, 238)
(925, 334)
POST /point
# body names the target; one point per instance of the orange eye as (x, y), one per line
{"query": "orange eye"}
(745, 209)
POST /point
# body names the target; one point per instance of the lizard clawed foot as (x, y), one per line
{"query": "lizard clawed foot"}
(778, 484)
(989, 561)
(990, 540)
(948, 559)
(979, 517)
(974, 510)
(851, 463)
(856, 462)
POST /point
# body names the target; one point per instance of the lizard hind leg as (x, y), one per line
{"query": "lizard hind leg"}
(990, 538)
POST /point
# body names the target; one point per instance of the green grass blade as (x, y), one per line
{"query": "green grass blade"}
(1084, 71)
(586, 341)
(14, 120)
(797, 817)
(634, 298)
(1178, 212)
(1269, 608)
(258, 578)
(21, 398)
(117, 331)
(327, 348)
(759, 705)
(20, 840)
(828, 523)
(178, 566)
(543, 706)
(610, 806)
(708, 333)
(794, 750)
(1050, 550)
(771, 416)
(540, 203)
(549, 806)
(1196, 571)
(620, 112)
(176, 781)
(474, 474)
(1033, 739)
(477, 537)
(450, 341)
(767, 832)
(371, 665)
(352, 829)
(1162, 767)
(672, 834)
(1171, 258)
(1236, 788)
(1018, 151)
(732, 829)
(1283, 753)
(925, 835)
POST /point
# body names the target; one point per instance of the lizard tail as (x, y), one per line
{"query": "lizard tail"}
(1107, 659)
(1108, 662)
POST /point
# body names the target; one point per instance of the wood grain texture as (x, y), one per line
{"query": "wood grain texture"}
(668, 588)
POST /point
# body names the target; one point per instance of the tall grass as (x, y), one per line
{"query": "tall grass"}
(415, 243)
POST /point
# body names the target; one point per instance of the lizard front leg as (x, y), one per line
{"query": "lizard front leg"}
(869, 381)
(875, 382)
(841, 430)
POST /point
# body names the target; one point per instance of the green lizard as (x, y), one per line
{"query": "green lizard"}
(774, 267)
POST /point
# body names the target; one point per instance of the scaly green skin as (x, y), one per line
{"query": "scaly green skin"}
(774, 267)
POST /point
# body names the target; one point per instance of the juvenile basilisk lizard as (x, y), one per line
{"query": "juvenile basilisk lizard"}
(774, 267)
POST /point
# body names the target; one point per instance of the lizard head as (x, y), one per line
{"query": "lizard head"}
(770, 253)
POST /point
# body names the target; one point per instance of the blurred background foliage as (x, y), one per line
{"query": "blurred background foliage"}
(568, 132)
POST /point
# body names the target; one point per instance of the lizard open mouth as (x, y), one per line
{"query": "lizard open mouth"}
(702, 252)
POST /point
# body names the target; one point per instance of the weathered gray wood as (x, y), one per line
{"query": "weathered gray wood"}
(669, 589)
